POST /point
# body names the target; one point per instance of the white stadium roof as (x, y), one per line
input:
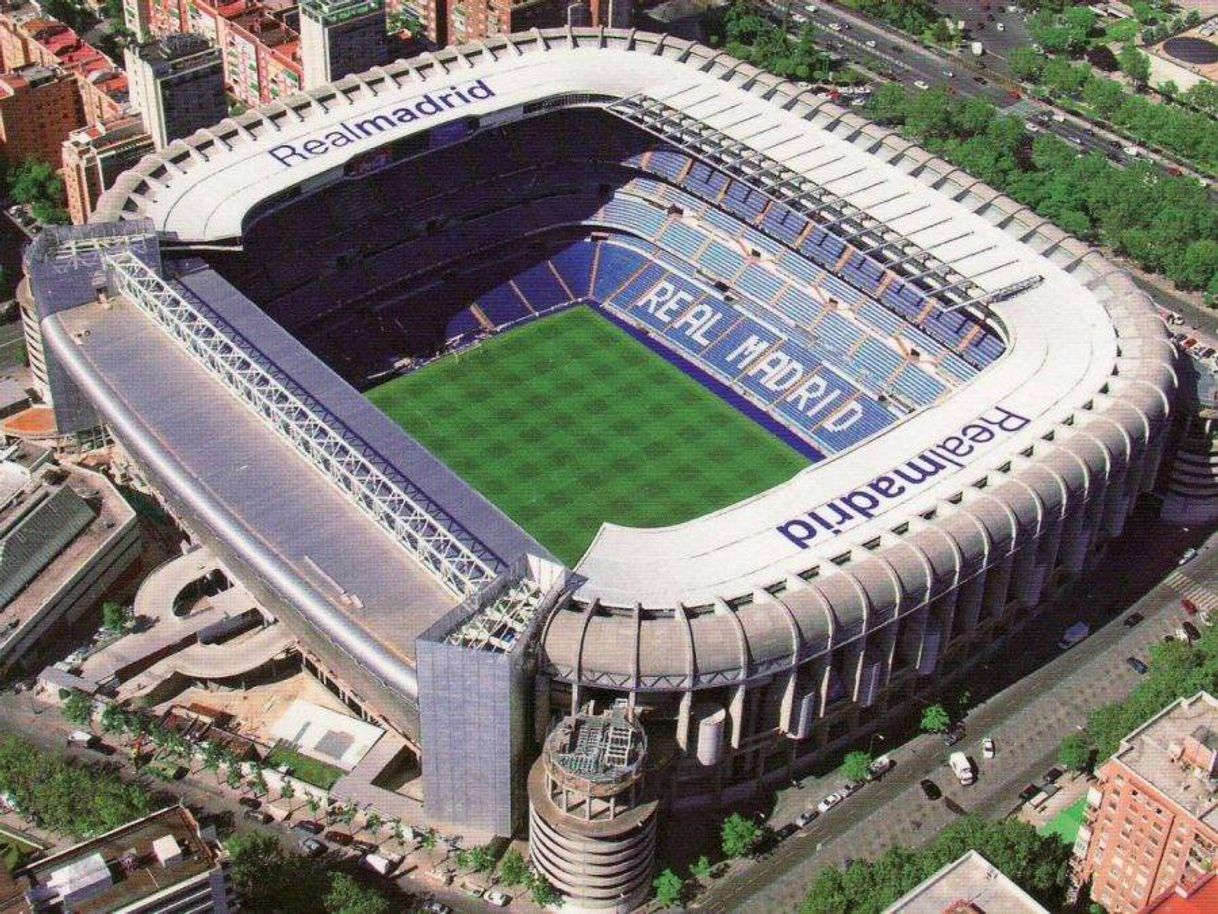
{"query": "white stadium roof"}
(1062, 334)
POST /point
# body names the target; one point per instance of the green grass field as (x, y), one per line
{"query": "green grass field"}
(305, 768)
(1067, 822)
(568, 422)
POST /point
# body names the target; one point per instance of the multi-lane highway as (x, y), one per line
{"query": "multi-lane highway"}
(878, 47)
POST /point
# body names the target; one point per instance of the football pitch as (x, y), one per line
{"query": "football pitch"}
(568, 422)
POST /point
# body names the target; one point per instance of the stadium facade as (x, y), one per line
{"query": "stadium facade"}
(982, 399)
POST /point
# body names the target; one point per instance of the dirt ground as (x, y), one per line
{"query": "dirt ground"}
(256, 708)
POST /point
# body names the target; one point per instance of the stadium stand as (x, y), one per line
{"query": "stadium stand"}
(415, 266)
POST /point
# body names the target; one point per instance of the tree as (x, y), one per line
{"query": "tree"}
(669, 887)
(935, 719)
(1075, 752)
(701, 868)
(739, 836)
(1038, 864)
(428, 841)
(78, 708)
(346, 896)
(115, 616)
(1027, 64)
(113, 719)
(35, 183)
(512, 869)
(543, 893)
(480, 860)
(374, 822)
(857, 765)
(1134, 64)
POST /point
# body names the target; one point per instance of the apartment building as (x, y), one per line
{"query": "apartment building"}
(95, 155)
(339, 37)
(39, 107)
(178, 84)
(27, 38)
(1151, 821)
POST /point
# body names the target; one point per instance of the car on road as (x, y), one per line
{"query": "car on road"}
(835, 26)
(1031, 127)
(1133, 619)
(921, 84)
(851, 787)
(1073, 635)
(1190, 553)
(880, 767)
(870, 42)
(1191, 630)
(257, 815)
(341, 838)
(1207, 352)
(930, 789)
(434, 906)
(987, 748)
(498, 899)
(949, 74)
(250, 802)
(1058, 117)
(308, 826)
(311, 847)
(1029, 791)
(1136, 665)
(1051, 776)
(805, 818)
(979, 80)
(828, 802)
(1189, 606)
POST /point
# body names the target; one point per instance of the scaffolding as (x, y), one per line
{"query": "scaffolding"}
(499, 626)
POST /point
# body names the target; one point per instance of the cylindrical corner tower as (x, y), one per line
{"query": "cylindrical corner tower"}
(592, 812)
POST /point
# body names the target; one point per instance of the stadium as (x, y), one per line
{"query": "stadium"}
(598, 376)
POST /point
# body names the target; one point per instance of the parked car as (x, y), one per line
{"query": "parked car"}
(363, 847)
(1051, 776)
(1133, 619)
(805, 818)
(1189, 606)
(308, 826)
(1031, 127)
(953, 736)
(311, 847)
(341, 838)
(1190, 553)
(921, 84)
(930, 789)
(1136, 665)
(250, 802)
(850, 787)
(257, 815)
(1029, 791)
(828, 802)
(1073, 635)
(880, 767)
(498, 899)
(1191, 630)
(435, 906)
(987, 748)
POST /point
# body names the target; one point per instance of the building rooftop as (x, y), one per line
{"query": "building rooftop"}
(174, 47)
(970, 885)
(24, 77)
(1175, 752)
(1199, 898)
(120, 867)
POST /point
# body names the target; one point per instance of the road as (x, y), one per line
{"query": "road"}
(1027, 719)
(877, 46)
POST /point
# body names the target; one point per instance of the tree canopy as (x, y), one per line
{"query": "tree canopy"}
(1038, 865)
(740, 836)
(856, 765)
(935, 719)
(1165, 224)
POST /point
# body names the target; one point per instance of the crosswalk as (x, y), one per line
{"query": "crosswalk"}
(1202, 596)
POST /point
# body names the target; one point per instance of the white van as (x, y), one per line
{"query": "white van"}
(962, 768)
